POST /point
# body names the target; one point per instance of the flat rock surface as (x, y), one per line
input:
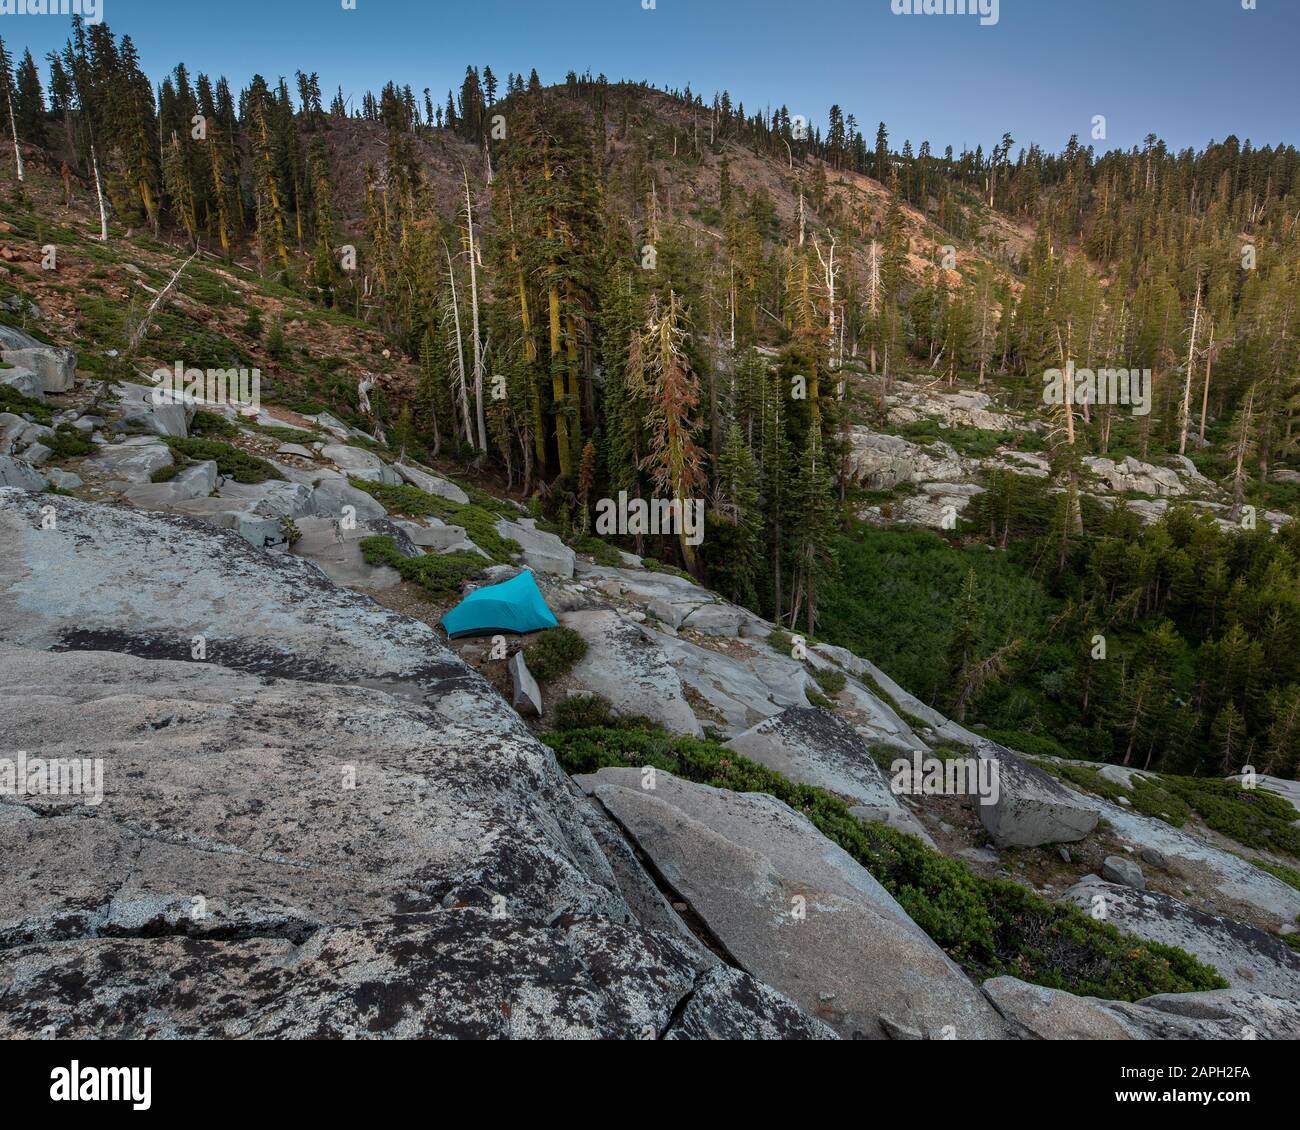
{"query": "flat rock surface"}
(793, 909)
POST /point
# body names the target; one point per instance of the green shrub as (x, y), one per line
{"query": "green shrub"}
(1149, 797)
(600, 551)
(781, 640)
(1033, 745)
(231, 461)
(438, 574)
(554, 653)
(11, 400)
(68, 442)
(987, 926)
(830, 680)
(582, 710)
(284, 434)
(1254, 817)
(166, 474)
(654, 565)
(211, 424)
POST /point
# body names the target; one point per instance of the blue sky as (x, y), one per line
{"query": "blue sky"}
(1188, 70)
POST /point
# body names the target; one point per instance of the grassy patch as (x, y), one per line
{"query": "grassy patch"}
(657, 566)
(555, 653)
(438, 574)
(989, 927)
(231, 461)
(1033, 745)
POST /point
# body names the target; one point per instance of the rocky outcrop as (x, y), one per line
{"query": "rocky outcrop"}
(1132, 474)
(336, 549)
(1032, 808)
(811, 746)
(625, 664)
(880, 461)
(141, 412)
(130, 461)
(20, 474)
(961, 408)
(542, 552)
(1245, 957)
(1237, 881)
(431, 483)
(1038, 1013)
(26, 381)
(796, 911)
(55, 366)
(315, 822)
(359, 463)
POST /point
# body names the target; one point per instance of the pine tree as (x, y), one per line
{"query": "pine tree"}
(675, 462)
(735, 557)
(812, 530)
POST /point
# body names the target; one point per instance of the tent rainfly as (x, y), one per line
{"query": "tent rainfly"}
(516, 605)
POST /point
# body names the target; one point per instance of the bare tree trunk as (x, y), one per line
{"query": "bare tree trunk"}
(460, 350)
(1185, 411)
(473, 301)
(13, 129)
(99, 195)
(1205, 396)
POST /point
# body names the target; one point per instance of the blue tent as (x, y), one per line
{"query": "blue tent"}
(516, 605)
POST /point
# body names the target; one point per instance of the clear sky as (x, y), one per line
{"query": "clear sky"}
(1189, 70)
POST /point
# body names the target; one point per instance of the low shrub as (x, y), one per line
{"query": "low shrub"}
(211, 424)
(11, 400)
(1255, 817)
(478, 523)
(830, 680)
(231, 461)
(555, 653)
(68, 442)
(438, 574)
